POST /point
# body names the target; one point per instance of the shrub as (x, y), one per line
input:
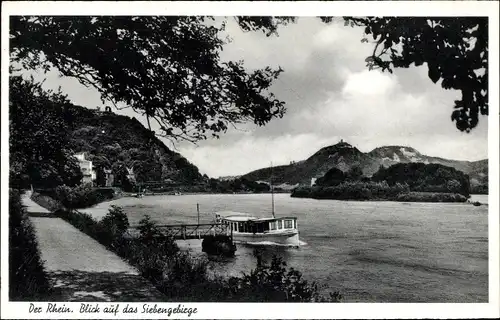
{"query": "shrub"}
(27, 278)
(112, 227)
(46, 201)
(82, 221)
(81, 196)
(183, 269)
(115, 221)
(302, 192)
(276, 283)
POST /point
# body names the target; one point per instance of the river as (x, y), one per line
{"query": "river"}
(369, 251)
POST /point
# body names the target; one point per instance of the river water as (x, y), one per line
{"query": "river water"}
(369, 251)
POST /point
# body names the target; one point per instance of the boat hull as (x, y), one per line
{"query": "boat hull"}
(288, 239)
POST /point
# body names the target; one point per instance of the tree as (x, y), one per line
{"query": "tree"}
(455, 50)
(165, 68)
(333, 177)
(39, 147)
(355, 173)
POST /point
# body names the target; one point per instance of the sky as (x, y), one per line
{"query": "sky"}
(330, 95)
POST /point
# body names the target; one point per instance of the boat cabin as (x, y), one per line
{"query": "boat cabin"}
(241, 223)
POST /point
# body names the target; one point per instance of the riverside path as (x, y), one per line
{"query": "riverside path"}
(80, 268)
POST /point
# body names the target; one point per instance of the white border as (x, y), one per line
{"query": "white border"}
(338, 8)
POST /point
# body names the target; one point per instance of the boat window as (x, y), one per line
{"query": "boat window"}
(280, 224)
(241, 227)
(272, 225)
(295, 224)
(260, 227)
(288, 224)
(265, 227)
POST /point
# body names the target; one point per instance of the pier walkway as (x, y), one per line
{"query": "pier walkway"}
(191, 231)
(80, 268)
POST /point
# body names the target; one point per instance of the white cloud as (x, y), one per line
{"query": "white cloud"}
(369, 83)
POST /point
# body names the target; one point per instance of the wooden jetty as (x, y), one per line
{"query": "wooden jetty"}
(195, 231)
(216, 238)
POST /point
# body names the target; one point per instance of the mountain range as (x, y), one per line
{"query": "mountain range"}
(344, 156)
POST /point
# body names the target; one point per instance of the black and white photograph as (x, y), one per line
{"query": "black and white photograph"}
(167, 155)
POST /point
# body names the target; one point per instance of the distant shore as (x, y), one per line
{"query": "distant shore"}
(412, 196)
(170, 193)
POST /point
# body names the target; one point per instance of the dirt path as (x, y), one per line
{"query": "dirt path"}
(80, 268)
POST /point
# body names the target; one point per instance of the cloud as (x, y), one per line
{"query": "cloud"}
(366, 83)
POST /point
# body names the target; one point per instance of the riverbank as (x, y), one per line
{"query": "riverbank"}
(135, 194)
(355, 192)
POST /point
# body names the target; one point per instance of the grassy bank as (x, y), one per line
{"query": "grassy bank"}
(181, 277)
(27, 278)
(374, 191)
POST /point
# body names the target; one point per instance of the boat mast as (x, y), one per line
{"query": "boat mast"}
(272, 190)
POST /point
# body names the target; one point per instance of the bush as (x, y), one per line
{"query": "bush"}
(302, 192)
(82, 221)
(184, 270)
(116, 221)
(276, 283)
(46, 201)
(27, 278)
(112, 227)
(82, 196)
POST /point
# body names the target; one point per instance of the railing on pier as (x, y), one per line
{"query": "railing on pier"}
(193, 231)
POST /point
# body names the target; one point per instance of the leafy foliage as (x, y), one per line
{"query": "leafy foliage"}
(81, 196)
(166, 68)
(120, 143)
(425, 177)
(237, 185)
(353, 190)
(276, 283)
(393, 183)
(455, 50)
(333, 177)
(40, 151)
(115, 221)
(27, 278)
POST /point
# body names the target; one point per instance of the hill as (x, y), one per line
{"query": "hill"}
(344, 156)
(118, 142)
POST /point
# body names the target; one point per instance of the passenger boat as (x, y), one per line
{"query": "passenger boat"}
(248, 229)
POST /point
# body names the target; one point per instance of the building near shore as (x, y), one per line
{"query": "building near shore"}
(109, 178)
(88, 172)
(313, 181)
